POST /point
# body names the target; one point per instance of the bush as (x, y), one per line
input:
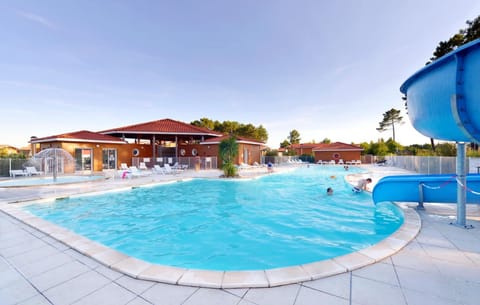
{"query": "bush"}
(229, 170)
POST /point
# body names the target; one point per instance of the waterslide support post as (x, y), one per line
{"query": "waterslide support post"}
(420, 197)
(461, 184)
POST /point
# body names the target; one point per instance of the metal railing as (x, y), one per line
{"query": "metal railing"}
(432, 165)
(188, 162)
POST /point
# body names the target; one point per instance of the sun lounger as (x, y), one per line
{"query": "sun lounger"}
(32, 171)
(17, 172)
(179, 167)
(142, 166)
(157, 169)
(244, 166)
(135, 172)
(169, 170)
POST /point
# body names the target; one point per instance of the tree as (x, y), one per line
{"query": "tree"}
(446, 149)
(463, 36)
(205, 123)
(326, 141)
(261, 134)
(228, 150)
(285, 144)
(390, 118)
(234, 128)
(393, 146)
(294, 137)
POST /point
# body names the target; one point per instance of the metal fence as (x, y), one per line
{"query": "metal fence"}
(283, 159)
(188, 162)
(432, 165)
(11, 164)
(45, 165)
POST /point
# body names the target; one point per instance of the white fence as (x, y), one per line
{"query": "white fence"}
(188, 162)
(432, 165)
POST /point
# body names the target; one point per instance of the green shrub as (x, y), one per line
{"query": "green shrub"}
(229, 169)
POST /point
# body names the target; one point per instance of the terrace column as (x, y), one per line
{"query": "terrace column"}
(153, 149)
(176, 147)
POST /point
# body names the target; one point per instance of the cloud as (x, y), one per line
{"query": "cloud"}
(36, 18)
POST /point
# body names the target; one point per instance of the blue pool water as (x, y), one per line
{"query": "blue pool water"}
(36, 181)
(275, 221)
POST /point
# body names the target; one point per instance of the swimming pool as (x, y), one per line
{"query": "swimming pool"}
(275, 221)
(36, 181)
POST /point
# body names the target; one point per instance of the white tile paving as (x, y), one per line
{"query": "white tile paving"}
(440, 266)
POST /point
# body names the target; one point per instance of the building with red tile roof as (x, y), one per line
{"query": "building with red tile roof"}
(154, 142)
(328, 151)
(337, 151)
(249, 150)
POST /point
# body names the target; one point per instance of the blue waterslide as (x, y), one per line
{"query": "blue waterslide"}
(443, 98)
(425, 188)
(443, 101)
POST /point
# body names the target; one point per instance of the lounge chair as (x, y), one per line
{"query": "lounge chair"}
(157, 169)
(179, 167)
(32, 171)
(169, 170)
(340, 161)
(123, 166)
(17, 172)
(256, 164)
(244, 166)
(135, 172)
(382, 162)
(142, 166)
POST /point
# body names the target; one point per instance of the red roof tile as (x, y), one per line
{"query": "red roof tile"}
(79, 136)
(239, 140)
(303, 145)
(165, 126)
(336, 146)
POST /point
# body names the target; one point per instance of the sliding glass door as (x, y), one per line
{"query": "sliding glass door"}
(83, 159)
(109, 157)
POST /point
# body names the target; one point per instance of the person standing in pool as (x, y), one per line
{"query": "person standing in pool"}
(362, 185)
(329, 191)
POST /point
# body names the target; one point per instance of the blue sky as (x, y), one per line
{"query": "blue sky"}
(328, 69)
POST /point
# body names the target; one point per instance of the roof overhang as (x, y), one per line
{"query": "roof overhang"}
(74, 140)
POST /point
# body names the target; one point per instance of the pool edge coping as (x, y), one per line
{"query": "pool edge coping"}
(142, 270)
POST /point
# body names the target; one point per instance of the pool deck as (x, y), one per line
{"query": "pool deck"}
(441, 265)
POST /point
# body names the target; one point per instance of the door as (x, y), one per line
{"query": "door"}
(109, 157)
(83, 159)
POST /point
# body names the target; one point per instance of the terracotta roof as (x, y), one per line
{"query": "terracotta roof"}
(8, 146)
(79, 136)
(336, 146)
(165, 126)
(239, 140)
(303, 145)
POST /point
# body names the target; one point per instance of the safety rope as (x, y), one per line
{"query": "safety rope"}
(448, 182)
(467, 188)
(440, 186)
